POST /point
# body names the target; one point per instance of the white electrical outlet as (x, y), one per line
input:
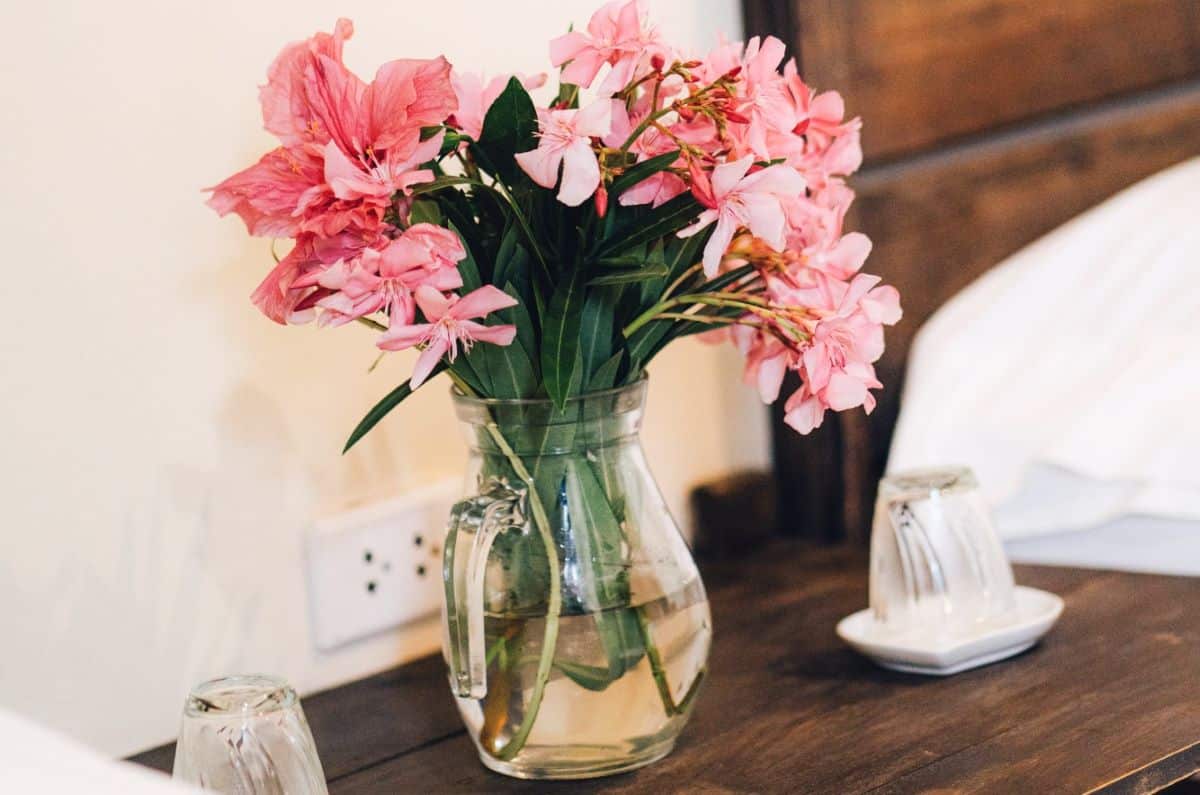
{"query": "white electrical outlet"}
(377, 567)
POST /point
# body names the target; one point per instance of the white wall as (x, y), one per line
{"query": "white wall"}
(165, 445)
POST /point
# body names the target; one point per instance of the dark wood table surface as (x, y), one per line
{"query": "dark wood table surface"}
(1109, 701)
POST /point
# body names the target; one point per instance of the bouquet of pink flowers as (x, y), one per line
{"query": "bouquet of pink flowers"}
(653, 196)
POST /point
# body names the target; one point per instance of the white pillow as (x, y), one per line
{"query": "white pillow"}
(37, 761)
(1068, 376)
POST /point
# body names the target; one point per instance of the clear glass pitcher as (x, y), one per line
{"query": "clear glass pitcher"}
(576, 626)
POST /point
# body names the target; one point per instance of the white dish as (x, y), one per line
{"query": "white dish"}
(940, 653)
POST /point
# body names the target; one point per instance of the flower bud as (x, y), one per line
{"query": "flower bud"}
(601, 201)
(657, 62)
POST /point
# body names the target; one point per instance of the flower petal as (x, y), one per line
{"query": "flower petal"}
(496, 335)
(718, 244)
(401, 337)
(433, 304)
(581, 173)
(541, 164)
(479, 303)
(428, 360)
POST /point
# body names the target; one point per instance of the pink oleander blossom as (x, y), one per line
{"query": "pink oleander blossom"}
(566, 140)
(451, 322)
(837, 369)
(735, 199)
(368, 177)
(266, 195)
(475, 98)
(617, 34)
(348, 145)
(657, 188)
(385, 279)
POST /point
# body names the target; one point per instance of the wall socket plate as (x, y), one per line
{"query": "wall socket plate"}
(379, 566)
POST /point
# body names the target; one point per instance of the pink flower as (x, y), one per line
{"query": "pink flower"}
(767, 360)
(385, 279)
(565, 138)
(349, 147)
(312, 98)
(277, 296)
(266, 194)
(287, 295)
(405, 96)
(658, 188)
(617, 34)
(767, 102)
(450, 323)
(292, 108)
(368, 177)
(474, 98)
(837, 368)
(735, 200)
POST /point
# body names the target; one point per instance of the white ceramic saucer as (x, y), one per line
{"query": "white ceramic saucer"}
(942, 654)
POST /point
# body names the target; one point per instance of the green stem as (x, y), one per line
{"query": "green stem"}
(550, 636)
(736, 300)
(657, 669)
(373, 324)
(659, 672)
(645, 125)
(683, 277)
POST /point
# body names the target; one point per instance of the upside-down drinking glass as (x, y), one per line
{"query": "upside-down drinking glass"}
(246, 735)
(936, 563)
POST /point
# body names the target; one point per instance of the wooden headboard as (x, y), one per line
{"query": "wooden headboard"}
(987, 123)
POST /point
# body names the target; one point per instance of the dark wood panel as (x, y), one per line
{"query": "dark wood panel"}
(939, 221)
(926, 71)
(1107, 701)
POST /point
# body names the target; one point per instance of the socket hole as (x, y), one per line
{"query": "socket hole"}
(421, 570)
(372, 586)
(368, 556)
(418, 540)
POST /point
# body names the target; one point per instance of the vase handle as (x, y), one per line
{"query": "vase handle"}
(474, 524)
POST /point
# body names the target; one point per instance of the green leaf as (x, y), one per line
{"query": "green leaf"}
(520, 317)
(467, 267)
(595, 334)
(425, 211)
(627, 261)
(381, 409)
(589, 677)
(510, 256)
(599, 543)
(645, 343)
(605, 376)
(657, 223)
(508, 128)
(650, 271)
(639, 172)
(560, 338)
(568, 96)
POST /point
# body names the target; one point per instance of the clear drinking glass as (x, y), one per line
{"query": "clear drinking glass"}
(246, 735)
(577, 627)
(936, 563)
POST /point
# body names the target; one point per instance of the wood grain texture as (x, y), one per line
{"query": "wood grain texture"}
(1106, 701)
(369, 720)
(928, 71)
(939, 221)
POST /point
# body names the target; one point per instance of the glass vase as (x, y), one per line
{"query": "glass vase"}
(576, 626)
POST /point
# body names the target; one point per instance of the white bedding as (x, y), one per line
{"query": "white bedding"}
(1068, 378)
